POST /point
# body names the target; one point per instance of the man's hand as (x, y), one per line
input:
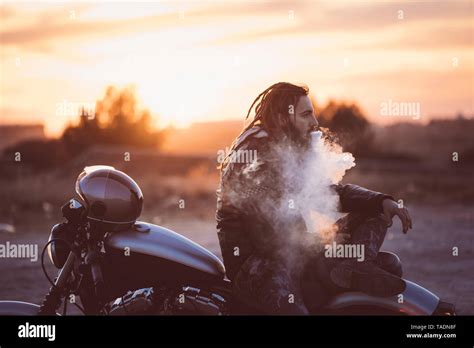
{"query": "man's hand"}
(390, 208)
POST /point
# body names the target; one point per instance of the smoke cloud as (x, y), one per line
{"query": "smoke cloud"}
(323, 165)
(290, 188)
(306, 179)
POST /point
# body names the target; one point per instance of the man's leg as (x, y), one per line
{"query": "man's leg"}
(350, 274)
(389, 262)
(270, 287)
(386, 260)
(370, 234)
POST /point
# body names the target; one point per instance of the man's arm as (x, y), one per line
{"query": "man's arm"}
(358, 199)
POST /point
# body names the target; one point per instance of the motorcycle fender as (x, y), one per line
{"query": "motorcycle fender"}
(415, 300)
(18, 308)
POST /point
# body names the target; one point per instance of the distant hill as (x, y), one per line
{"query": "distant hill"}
(435, 141)
(204, 138)
(12, 134)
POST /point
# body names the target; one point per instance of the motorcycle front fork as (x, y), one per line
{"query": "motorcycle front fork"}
(53, 299)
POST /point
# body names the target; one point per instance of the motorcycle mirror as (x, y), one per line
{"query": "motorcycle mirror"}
(73, 210)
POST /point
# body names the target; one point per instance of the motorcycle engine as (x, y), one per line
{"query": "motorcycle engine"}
(194, 301)
(149, 301)
(138, 302)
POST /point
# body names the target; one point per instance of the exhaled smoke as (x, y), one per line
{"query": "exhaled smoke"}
(289, 187)
(308, 177)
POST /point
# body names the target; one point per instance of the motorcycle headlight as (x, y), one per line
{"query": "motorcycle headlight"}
(58, 251)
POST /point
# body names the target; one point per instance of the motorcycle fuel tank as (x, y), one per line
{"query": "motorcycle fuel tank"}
(148, 254)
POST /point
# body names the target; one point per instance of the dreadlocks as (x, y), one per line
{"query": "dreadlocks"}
(274, 106)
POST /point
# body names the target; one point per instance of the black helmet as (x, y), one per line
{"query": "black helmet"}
(112, 198)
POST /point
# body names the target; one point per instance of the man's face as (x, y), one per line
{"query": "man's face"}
(304, 119)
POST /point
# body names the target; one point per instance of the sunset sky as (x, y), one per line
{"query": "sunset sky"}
(199, 61)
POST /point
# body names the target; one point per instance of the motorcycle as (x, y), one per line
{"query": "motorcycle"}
(117, 265)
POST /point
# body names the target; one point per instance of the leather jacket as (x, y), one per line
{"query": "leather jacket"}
(247, 216)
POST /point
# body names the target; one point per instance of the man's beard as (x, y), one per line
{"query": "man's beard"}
(298, 139)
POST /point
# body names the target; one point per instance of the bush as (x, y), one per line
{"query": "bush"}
(118, 121)
(353, 130)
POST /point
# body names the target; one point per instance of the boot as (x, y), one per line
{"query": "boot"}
(366, 277)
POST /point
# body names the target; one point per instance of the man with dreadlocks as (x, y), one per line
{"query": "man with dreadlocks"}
(253, 233)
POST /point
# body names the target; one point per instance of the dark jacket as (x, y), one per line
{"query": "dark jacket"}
(250, 187)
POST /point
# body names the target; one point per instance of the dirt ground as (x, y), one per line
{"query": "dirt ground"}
(426, 253)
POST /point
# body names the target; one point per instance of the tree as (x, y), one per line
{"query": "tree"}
(118, 120)
(350, 125)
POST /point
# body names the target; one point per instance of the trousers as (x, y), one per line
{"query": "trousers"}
(272, 287)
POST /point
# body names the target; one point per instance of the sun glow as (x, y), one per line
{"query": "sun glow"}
(199, 62)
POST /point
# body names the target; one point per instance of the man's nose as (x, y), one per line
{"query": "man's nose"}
(316, 123)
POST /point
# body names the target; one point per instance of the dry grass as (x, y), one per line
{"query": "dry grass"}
(31, 203)
(166, 181)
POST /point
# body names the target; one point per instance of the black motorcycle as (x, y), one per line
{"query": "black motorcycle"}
(116, 265)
